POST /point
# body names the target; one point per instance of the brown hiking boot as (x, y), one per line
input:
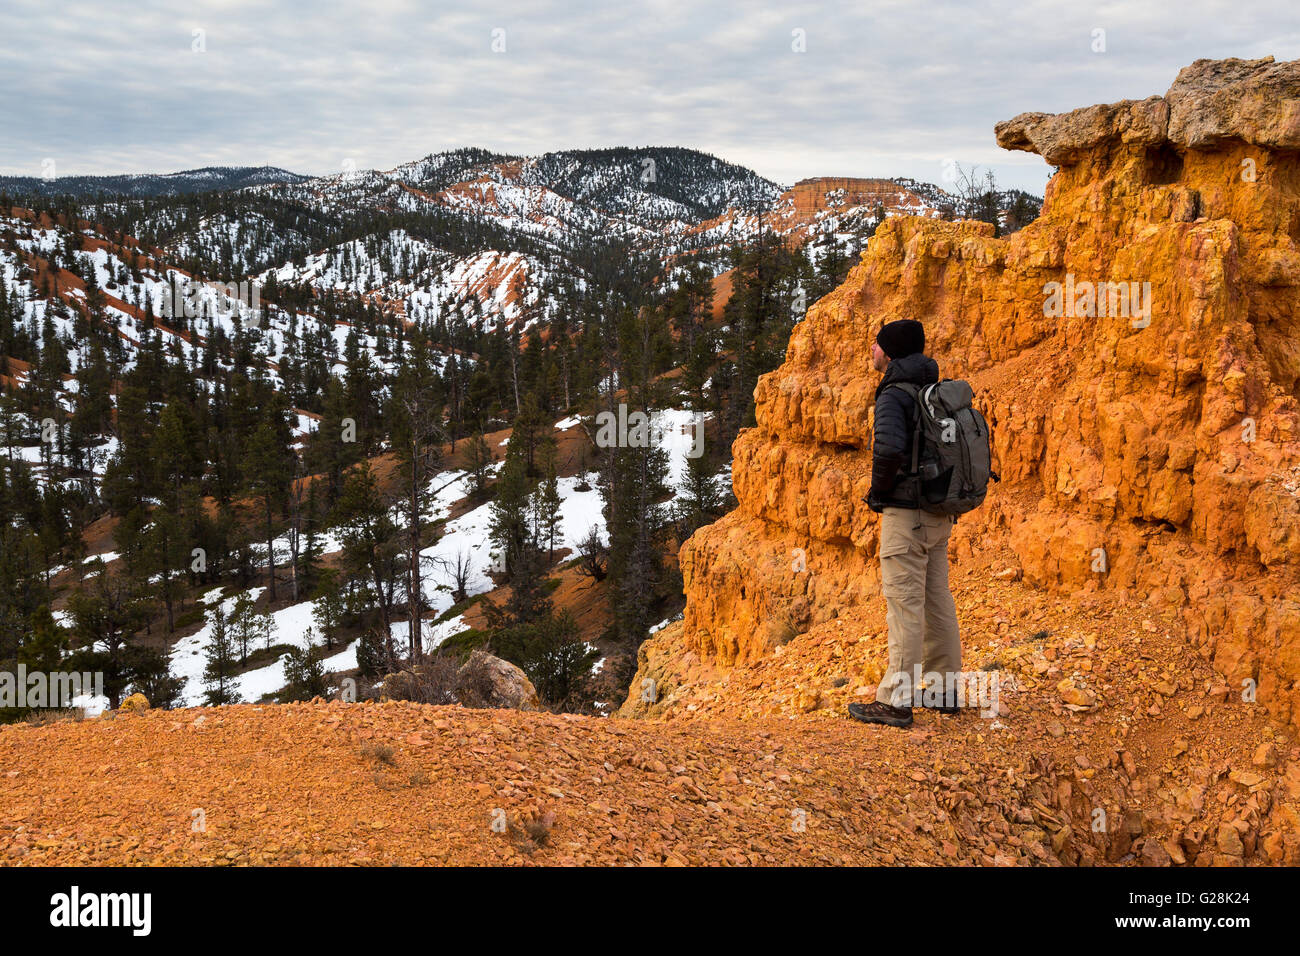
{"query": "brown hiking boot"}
(878, 713)
(946, 711)
(948, 708)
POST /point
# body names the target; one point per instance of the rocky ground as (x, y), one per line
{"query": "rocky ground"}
(1111, 746)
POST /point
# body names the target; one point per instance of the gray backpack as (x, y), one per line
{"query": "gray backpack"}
(951, 454)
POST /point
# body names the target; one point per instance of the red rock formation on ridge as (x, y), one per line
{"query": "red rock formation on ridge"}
(809, 197)
(809, 203)
(1170, 441)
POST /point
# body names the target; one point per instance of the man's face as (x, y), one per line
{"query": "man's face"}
(879, 360)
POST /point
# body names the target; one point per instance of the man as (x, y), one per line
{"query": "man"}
(921, 615)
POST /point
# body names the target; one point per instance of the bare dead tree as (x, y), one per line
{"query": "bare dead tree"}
(977, 194)
(593, 557)
(459, 570)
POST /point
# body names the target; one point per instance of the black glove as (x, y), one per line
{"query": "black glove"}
(873, 501)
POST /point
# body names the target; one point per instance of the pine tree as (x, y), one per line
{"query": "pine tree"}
(372, 545)
(167, 556)
(416, 431)
(243, 626)
(480, 464)
(374, 653)
(219, 670)
(304, 671)
(699, 500)
(105, 616)
(513, 534)
(309, 563)
(510, 525)
(550, 652)
(328, 607)
(547, 504)
(269, 464)
(150, 672)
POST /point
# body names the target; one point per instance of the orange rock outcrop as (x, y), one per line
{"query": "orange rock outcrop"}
(1148, 435)
(810, 197)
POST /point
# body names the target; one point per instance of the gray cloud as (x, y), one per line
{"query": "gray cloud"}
(884, 89)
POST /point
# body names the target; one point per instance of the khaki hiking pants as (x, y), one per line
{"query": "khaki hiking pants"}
(922, 618)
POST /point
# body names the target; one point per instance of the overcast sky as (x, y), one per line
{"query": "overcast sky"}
(882, 89)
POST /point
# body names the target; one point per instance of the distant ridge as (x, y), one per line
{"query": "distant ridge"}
(142, 185)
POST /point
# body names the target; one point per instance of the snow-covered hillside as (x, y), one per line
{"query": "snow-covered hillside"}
(464, 540)
(489, 234)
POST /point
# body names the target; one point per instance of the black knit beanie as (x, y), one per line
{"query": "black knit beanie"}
(901, 338)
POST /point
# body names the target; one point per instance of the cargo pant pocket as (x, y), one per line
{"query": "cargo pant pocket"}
(902, 559)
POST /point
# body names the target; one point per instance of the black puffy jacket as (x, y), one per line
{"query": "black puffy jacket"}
(891, 445)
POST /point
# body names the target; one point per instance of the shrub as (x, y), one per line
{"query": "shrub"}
(432, 682)
(372, 654)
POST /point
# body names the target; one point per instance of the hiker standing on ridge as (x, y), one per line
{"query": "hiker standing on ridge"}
(930, 462)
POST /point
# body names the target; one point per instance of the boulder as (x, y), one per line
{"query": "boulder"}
(135, 704)
(488, 681)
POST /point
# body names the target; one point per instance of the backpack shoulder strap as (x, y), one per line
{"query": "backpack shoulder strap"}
(909, 387)
(914, 390)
